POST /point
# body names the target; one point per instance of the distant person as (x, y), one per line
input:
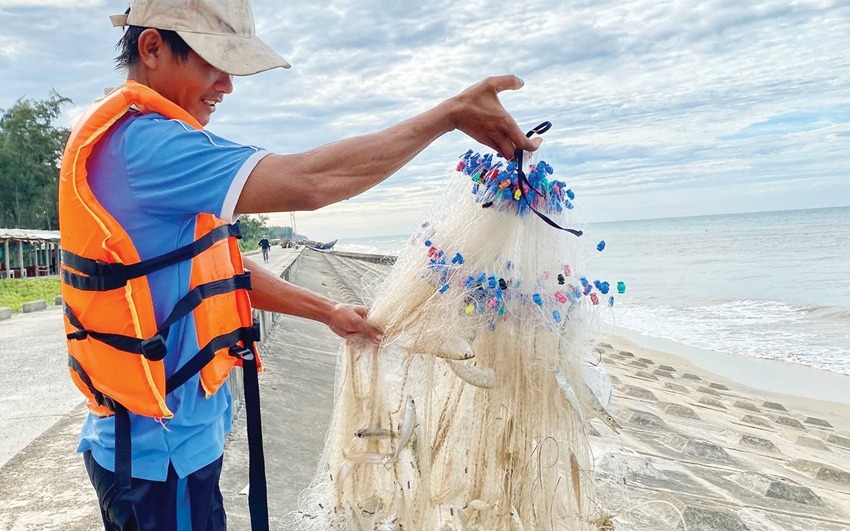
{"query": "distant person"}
(158, 301)
(265, 245)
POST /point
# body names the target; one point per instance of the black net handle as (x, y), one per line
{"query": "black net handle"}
(523, 180)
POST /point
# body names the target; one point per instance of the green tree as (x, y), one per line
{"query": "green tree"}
(253, 230)
(30, 151)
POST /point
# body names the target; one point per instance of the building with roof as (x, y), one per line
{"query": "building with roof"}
(28, 253)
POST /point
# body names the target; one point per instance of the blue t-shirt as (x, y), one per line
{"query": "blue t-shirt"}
(154, 175)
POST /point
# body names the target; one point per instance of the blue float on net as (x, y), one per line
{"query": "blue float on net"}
(458, 259)
(556, 315)
(427, 243)
(538, 300)
(600, 246)
(621, 287)
(444, 288)
(611, 301)
(571, 194)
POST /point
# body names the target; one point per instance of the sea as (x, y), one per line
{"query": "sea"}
(768, 284)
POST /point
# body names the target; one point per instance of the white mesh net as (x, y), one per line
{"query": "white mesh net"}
(470, 414)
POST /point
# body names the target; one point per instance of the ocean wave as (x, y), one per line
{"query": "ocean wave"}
(764, 329)
(828, 312)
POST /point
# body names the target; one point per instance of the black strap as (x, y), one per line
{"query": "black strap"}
(199, 360)
(523, 180)
(123, 440)
(123, 448)
(257, 490)
(153, 348)
(100, 276)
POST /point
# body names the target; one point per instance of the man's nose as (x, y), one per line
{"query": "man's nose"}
(224, 83)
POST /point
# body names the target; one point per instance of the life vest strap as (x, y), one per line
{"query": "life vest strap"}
(246, 334)
(153, 348)
(101, 276)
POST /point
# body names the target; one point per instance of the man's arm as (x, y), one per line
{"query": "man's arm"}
(337, 171)
(272, 293)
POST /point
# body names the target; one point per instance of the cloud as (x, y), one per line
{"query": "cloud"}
(657, 106)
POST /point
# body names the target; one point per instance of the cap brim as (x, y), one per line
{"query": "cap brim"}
(238, 56)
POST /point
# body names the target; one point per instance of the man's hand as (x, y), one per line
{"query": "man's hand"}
(478, 112)
(349, 322)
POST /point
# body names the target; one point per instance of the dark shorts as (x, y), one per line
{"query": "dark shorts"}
(160, 505)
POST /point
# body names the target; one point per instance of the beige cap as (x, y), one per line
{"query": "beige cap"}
(220, 31)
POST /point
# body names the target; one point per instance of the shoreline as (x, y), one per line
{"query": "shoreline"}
(759, 375)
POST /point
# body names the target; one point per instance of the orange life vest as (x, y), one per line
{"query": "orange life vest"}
(116, 347)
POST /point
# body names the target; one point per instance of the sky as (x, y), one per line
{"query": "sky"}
(659, 108)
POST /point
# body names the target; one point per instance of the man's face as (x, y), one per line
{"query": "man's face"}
(193, 84)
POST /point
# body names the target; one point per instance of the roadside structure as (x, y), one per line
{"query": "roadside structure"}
(28, 253)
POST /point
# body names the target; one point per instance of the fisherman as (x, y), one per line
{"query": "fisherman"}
(157, 303)
(265, 245)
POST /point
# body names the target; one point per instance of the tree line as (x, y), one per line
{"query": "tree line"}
(31, 146)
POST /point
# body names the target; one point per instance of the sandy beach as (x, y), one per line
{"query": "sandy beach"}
(708, 441)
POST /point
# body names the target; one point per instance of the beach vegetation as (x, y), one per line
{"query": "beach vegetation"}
(16, 291)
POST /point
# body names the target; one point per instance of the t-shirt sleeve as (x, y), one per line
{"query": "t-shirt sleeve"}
(176, 170)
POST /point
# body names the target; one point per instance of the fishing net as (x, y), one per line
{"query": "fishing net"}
(471, 414)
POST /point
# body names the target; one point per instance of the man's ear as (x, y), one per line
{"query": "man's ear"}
(151, 48)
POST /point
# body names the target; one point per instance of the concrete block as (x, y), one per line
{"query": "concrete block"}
(647, 361)
(710, 519)
(696, 448)
(838, 440)
(639, 364)
(639, 392)
(791, 422)
(627, 354)
(5, 313)
(57, 301)
(718, 386)
(645, 420)
(817, 422)
(679, 410)
(757, 443)
(707, 390)
(711, 402)
(667, 368)
(605, 345)
(821, 471)
(755, 420)
(34, 306)
(678, 388)
(646, 375)
(691, 376)
(776, 406)
(663, 374)
(811, 442)
(746, 405)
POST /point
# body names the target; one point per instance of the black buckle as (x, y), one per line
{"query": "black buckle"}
(241, 352)
(255, 331)
(154, 348)
(78, 335)
(105, 401)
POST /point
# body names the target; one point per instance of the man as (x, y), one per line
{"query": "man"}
(265, 245)
(140, 271)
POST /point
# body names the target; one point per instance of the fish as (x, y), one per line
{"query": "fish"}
(585, 396)
(516, 522)
(576, 479)
(569, 394)
(408, 422)
(483, 377)
(372, 433)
